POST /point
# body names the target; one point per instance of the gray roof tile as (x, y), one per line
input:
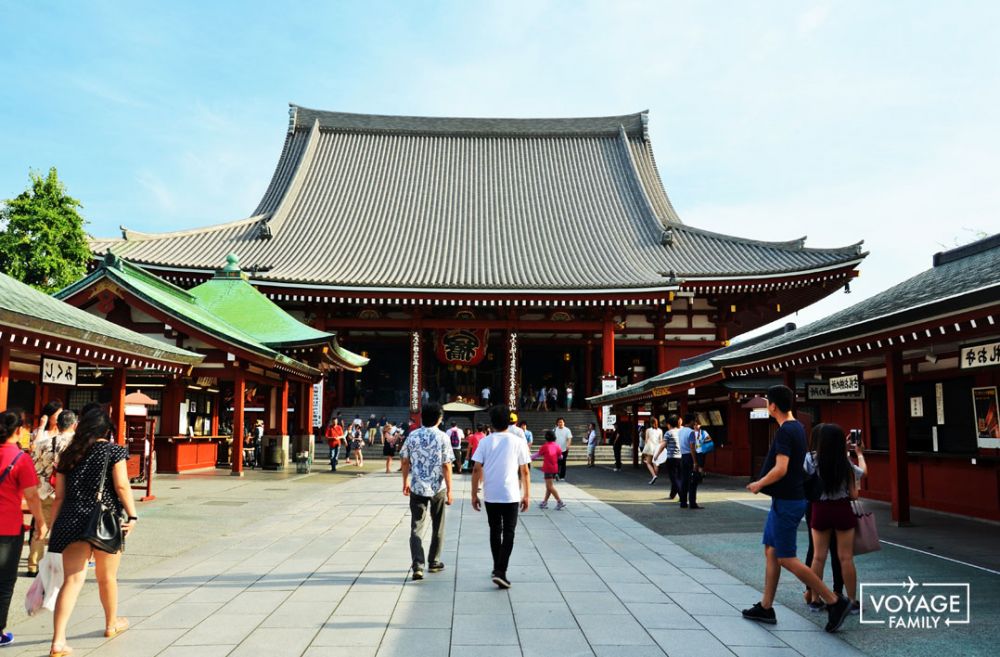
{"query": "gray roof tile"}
(440, 203)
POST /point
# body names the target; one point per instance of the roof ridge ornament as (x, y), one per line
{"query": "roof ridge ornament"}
(667, 236)
(231, 270)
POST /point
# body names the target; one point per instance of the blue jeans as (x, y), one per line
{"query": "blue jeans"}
(334, 454)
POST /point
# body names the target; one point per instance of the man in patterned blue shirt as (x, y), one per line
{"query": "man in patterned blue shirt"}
(427, 455)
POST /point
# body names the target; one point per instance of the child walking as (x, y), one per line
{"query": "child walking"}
(550, 453)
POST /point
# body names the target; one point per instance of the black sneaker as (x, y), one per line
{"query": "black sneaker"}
(436, 567)
(837, 613)
(500, 579)
(759, 614)
(418, 574)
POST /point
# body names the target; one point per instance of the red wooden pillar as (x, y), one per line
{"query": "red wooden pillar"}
(682, 406)
(118, 404)
(634, 412)
(789, 381)
(283, 408)
(4, 374)
(608, 347)
(239, 397)
(898, 476)
(661, 346)
(588, 370)
(215, 414)
(307, 407)
(341, 394)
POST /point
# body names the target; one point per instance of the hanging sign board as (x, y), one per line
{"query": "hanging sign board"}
(916, 406)
(840, 385)
(317, 408)
(939, 401)
(987, 416)
(759, 414)
(608, 418)
(58, 372)
(980, 355)
(820, 391)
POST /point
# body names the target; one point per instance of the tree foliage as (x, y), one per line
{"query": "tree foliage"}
(42, 241)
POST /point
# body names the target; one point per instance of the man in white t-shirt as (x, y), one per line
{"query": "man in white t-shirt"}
(564, 438)
(485, 394)
(501, 464)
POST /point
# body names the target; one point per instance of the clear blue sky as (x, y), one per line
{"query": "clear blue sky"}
(837, 120)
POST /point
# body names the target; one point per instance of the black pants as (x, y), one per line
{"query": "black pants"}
(503, 521)
(562, 464)
(689, 484)
(838, 575)
(617, 447)
(420, 508)
(674, 472)
(10, 557)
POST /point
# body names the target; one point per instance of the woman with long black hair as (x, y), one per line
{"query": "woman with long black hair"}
(832, 519)
(17, 479)
(89, 458)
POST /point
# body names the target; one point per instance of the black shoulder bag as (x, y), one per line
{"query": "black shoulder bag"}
(3, 477)
(104, 526)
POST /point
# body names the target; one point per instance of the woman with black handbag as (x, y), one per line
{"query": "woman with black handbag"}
(92, 514)
(834, 481)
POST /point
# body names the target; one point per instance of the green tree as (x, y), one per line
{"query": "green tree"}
(42, 241)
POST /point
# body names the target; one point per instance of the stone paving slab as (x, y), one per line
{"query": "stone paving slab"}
(332, 579)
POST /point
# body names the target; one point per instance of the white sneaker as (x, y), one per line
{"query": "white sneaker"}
(652, 481)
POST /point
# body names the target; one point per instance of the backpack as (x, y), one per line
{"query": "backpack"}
(455, 442)
(704, 443)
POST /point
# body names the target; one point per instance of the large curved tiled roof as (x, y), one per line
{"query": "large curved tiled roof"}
(418, 203)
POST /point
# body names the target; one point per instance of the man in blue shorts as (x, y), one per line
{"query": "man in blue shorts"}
(782, 477)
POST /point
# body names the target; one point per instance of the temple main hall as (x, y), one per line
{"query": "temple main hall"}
(460, 254)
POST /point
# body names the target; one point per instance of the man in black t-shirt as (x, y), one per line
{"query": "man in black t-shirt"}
(782, 477)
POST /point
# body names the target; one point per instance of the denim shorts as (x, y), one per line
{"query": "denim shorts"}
(782, 526)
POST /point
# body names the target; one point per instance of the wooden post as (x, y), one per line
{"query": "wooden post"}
(215, 414)
(608, 347)
(283, 408)
(789, 381)
(588, 370)
(118, 404)
(307, 408)
(634, 412)
(659, 334)
(4, 374)
(239, 396)
(899, 483)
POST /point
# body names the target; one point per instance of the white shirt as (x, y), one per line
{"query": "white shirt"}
(563, 437)
(502, 455)
(486, 393)
(516, 430)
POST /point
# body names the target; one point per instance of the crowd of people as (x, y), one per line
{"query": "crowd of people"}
(66, 472)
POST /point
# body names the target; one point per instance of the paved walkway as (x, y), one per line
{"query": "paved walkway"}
(307, 577)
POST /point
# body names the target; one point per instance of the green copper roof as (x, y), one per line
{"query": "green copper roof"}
(25, 307)
(231, 298)
(227, 307)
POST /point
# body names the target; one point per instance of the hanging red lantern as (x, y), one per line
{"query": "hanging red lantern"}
(461, 346)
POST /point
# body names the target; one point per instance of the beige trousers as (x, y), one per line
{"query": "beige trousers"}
(37, 549)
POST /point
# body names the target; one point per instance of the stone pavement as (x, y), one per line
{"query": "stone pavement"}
(306, 577)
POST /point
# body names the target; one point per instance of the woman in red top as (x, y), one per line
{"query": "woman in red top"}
(17, 479)
(550, 454)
